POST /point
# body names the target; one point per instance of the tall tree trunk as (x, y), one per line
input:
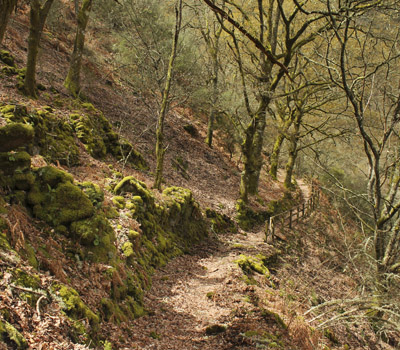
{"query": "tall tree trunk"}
(6, 8)
(214, 100)
(38, 15)
(275, 155)
(293, 151)
(160, 151)
(72, 81)
(251, 150)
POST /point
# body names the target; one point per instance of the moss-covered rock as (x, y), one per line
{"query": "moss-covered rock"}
(119, 202)
(96, 133)
(220, 223)
(7, 58)
(62, 205)
(130, 184)
(251, 264)
(94, 192)
(73, 305)
(11, 335)
(9, 70)
(184, 215)
(247, 218)
(52, 176)
(15, 135)
(11, 162)
(54, 138)
(90, 231)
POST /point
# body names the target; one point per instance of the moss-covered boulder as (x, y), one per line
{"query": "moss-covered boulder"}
(15, 135)
(96, 133)
(251, 264)
(7, 58)
(89, 231)
(184, 214)
(247, 217)
(12, 162)
(56, 200)
(73, 305)
(137, 188)
(61, 206)
(94, 192)
(220, 223)
(54, 138)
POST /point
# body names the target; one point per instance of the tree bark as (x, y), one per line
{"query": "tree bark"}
(6, 8)
(275, 155)
(72, 81)
(214, 100)
(160, 151)
(293, 151)
(251, 150)
(38, 15)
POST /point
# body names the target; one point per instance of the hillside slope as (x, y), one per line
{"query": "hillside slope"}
(85, 243)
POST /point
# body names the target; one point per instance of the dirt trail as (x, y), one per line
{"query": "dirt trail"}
(196, 291)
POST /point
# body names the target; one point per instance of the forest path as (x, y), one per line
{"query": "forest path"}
(199, 290)
(203, 289)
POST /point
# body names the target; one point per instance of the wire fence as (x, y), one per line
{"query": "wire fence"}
(290, 217)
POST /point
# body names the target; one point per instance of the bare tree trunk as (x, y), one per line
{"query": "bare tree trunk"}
(251, 150)
(214, 100)
(275, 155)
(6, 8)
(72, 81)
(160, 151)
(38, 15)
(213, 48)
(293, 151)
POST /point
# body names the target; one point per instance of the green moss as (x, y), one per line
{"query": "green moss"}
(275, 317)
(63, 205)
(23, 181)
(4, 243)
(10, 334)
(112, 312)
(220, 223)
(94, 192)
(89, 231)
(250, 264)
(215, 329)
(247, 218)
(29, 254)
(73, 305)
(103, 249)
(25, 279)
(89, 107)
(11, 162)
(127, 249)
(28, 281)
(7, 58)
(54, 137)
(15, 135)
(119, 202)
(9, 70)
(138, 188)
(110, 212)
